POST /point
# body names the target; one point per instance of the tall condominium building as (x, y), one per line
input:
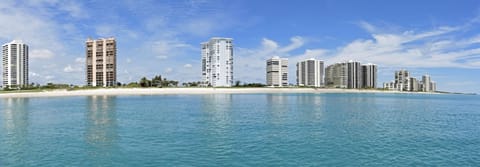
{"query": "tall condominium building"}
(15, 64)
(414, 84)
(401, 80)
(355, 78)
(277, 71)
(336, 75)
(369, 73)
(433, 86)
(427, 85)
(350, 75)
(101, 62)
(217, 62)
(310, 73)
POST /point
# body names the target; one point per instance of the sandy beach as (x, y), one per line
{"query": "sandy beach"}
(172, 91)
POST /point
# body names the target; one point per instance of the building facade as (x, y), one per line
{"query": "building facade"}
(310, 73)
(427, 84)
(351, 75)
(369, 73)
(354, 75)
(404, 82)
(101, 62)
(414, 84)
(336, 75)
(217, 62)
(15, 64)
(277, 72)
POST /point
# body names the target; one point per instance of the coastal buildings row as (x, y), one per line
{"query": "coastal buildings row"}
(217, 68)
(15, 64)
(405, 82)
(312, 73)
(100, 63)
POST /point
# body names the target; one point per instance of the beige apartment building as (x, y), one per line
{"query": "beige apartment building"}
(101, 60)
(277, 72)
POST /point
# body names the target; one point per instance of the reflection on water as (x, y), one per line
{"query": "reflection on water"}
(16, 123)
(218, 105)
(101, 128)
(277, 103)
(218, 108)
(314, 105)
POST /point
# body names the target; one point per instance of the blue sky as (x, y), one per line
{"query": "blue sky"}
(439, 38)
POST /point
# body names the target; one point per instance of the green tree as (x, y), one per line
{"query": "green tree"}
(144, 82)
(237, 83)
(157, 81)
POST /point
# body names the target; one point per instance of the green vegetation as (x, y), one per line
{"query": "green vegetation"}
(156, 81)
(248, 85)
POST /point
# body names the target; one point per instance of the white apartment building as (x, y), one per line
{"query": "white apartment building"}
(428, 84)
(15, 64)
(310, 73)
(217, 62)
(277, 72)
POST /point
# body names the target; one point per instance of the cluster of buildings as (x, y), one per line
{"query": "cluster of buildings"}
(404, 82)
(101, 66)
(312, 73)
(351, 75)
(217, 69)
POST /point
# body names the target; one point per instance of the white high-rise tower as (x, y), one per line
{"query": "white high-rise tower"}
(15, 64)
(217, 62)
(310, 73)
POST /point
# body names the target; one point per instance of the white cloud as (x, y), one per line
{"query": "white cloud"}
(433, 48)
(168, 70)
(33, 74)
(41, 54)
(70, 69)
(187, 66)
(49, 77)
(162, 57)
(79, 60)
(296, 42)
(200, 27)
(73, 8)
(164, 48)
(104, 30)
(367, 26)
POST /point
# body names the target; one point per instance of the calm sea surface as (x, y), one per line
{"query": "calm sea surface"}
(241, 130)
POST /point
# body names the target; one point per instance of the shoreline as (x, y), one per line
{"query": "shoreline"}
(189, 91)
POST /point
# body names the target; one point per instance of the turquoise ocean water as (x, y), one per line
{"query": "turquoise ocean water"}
(241, 130)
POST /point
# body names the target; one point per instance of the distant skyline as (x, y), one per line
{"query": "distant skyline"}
(438, 38)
